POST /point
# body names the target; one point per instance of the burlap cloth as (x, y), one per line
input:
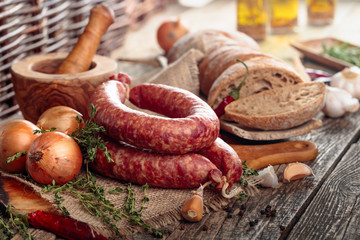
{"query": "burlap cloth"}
(164, 205)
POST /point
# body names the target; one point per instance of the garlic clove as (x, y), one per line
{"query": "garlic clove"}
(268, 177)
(297, 171)
(338, 102)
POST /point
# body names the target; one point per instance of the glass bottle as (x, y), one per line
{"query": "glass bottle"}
(320, 12)
(283, 16)
(252, 18)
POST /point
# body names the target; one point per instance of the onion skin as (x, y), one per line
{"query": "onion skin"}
(169, 32)
(16, 136)
(54, 156)
(62, 118)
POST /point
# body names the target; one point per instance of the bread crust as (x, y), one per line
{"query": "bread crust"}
(280, 108)
(200, 40)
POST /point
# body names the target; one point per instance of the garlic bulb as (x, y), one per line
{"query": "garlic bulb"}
(268, 177)
(349, 80)
(338, 102)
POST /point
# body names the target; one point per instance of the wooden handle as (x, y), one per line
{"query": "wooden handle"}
(79, 59)
(261, 156)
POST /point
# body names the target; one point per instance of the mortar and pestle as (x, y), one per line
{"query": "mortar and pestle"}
(48, 80)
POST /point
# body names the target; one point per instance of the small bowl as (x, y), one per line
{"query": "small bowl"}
(37, 88)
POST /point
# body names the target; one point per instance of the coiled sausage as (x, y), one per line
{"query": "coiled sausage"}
(190, 124)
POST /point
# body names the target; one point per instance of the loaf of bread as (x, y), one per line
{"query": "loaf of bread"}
(219, 57)
(279, 108)
(200, 40)
(221, 50)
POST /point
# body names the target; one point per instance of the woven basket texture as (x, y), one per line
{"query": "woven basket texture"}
(29, 27)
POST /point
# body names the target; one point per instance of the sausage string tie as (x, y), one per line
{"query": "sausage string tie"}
(250, 189)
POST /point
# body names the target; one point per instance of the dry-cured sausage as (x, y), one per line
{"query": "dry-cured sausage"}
(225, 158)
(190, 124)
(158, 170)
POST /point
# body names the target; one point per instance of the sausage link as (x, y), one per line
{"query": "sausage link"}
(158, 170)
(190, 124)
(225, 158)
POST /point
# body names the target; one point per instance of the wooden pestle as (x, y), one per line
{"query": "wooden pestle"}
(80, 58)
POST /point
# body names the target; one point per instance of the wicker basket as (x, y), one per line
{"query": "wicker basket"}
(29, 27)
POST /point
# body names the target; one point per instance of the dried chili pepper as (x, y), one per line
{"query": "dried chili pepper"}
(316, 73)
(233, 95)
(65, 227)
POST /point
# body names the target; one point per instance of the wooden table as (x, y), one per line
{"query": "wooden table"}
(324, 207)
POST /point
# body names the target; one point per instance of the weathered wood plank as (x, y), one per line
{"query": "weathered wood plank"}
(290, 200)
(334, 212)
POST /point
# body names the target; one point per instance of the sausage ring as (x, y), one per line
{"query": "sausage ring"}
(190, 124)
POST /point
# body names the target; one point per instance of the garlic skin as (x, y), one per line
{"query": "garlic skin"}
(349, 80)
(339, 102)
(268, 177)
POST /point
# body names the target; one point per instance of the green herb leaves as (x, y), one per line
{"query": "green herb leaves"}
(13, 225)
(343, 52)
(89, 140)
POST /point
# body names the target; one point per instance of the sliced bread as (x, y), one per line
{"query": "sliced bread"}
(215, 63)
(265, 72)
(280, 108)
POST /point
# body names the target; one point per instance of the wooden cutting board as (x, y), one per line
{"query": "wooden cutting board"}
(21, 197)
(260, 156)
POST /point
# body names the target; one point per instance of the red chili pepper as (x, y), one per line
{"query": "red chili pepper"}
(65, 227)
(220, 109)
(317, 73)
(233, 95)
(121, 77)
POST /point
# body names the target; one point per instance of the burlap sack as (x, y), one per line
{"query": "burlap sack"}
(165, 204)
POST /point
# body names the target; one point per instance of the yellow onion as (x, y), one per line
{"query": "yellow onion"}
(54, 156)
(16, 136)
(169, 32)
(62, 118)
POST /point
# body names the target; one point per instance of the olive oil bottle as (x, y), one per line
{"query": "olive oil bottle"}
(320, 12)
(252, 18)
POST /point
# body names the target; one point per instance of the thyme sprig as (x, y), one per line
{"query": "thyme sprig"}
(86, 190)
(13, 225)
(88, 138)
(246, 173)
(22, 154)
(16, 156)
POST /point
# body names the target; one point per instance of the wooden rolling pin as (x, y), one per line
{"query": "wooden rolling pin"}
(261, 156)
(80, 57)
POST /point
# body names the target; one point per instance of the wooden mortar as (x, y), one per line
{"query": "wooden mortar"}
(37, 88)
